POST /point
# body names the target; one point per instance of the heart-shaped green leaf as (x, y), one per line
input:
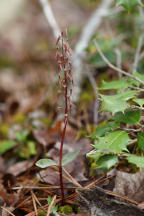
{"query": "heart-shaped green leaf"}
(44, 163)
(67, 158)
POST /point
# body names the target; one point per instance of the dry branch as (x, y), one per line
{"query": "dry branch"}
(114, 67)
(47, 10)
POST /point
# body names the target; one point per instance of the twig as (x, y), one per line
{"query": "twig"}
(132, 141)
(132, 130)
(41, 188)
(114, 67)
(137, 88)
(36, 199)
(50, 17)
(137, 107)
(5, 209)
(34, 203)
(71, 178)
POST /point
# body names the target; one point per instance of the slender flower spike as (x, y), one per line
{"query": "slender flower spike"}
(63, 58)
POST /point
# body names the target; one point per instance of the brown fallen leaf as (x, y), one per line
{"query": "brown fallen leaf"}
(20, 167)
(48, 137)
(49, 176)
(130, 185)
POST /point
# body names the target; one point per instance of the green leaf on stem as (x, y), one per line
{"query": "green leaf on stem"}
(115, 142)
(67, 158)
(118, 85)
(128, 117)
(137, 160)
(107, 161)
(102, 130)
(117, 103)
(44, 163)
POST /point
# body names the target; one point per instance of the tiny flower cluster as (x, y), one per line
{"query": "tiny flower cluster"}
(63, 57)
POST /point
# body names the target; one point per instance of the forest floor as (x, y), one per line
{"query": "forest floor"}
(31, 124)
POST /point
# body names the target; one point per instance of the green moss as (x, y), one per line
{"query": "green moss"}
(41, 213)
(66, 209)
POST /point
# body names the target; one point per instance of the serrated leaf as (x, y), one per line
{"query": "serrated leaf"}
(129, 4)
(119, 84)
(137, 160)
(118, 102)
(141, 141)
(6, 145)
(102, 130)
(112, 104)
(113, 142)
(128, 117)
(44, 163)
(139, 101)
(67, 158)
(126, 95)
(107, 161)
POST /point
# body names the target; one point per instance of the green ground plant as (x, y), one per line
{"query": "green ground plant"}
(121, 136)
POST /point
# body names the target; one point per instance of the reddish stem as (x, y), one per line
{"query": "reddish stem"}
(63, 134)
(65, 80)
(60, 158)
